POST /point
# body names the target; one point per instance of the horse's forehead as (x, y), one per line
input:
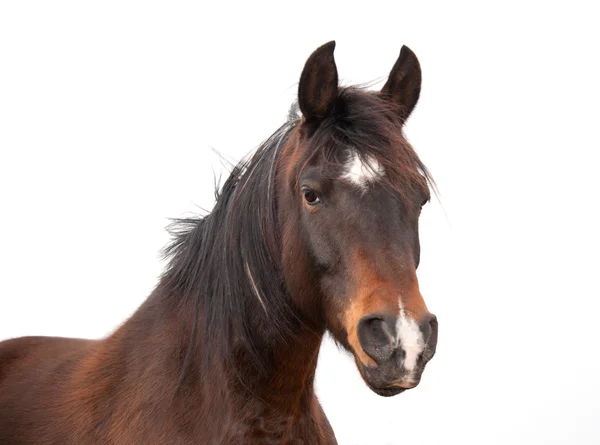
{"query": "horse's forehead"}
(363, 170)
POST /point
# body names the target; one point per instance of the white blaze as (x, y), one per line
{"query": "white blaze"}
(410, 338)
(362, 172)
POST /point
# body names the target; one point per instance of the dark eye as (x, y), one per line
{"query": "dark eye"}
(424, 202)
(310, 196)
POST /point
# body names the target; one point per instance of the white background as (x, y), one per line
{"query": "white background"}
(109, 112)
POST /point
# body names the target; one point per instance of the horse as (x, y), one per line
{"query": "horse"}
(315, 232)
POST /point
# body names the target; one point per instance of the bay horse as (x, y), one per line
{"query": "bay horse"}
(316, 232)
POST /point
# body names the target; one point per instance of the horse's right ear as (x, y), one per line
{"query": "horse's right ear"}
(318, 88)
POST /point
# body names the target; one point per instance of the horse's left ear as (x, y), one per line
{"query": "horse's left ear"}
(318, 88)
(404, 83)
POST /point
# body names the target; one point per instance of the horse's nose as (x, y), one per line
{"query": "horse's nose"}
(380, 335)
(429, 328)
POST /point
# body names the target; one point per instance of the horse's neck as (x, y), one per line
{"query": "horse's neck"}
(154, 343)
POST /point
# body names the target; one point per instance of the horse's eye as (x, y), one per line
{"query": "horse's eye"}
(310, 196)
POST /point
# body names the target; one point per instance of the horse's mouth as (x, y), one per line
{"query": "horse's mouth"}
(385, 389)
(387, 392)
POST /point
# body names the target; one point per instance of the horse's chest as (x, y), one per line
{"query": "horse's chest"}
(277, 431)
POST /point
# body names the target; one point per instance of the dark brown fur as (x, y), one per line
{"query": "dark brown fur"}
(224, 351)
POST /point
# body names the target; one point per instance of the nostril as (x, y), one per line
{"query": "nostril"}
(429, 327)
(376, 336)
(433, 322)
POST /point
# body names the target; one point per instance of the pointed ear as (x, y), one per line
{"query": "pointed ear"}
(404, 83)
(318, 88)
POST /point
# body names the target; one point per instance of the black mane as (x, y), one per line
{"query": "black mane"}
(228, 262)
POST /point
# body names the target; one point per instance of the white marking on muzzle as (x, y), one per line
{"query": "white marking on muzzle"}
(361, 172)
(410, 338)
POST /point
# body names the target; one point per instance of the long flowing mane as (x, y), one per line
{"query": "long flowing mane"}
(228, 261)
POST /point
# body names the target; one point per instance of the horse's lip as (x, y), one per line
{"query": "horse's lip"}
(388, 391)
(384, 391)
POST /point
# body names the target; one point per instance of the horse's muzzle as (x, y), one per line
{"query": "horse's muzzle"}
(400, 347)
